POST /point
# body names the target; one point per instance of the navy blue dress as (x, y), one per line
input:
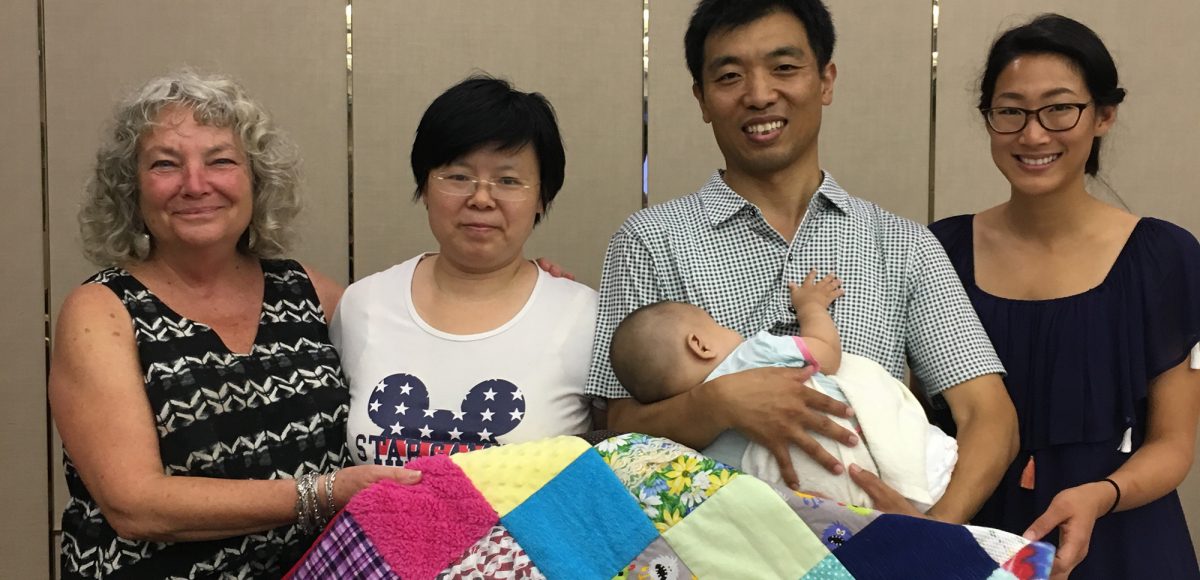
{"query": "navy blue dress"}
(1079, 371)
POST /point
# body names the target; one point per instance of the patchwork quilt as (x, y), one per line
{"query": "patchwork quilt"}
(640, 508)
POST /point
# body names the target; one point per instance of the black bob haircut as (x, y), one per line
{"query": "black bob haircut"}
(713, 16)
(482, 111)
(1056, 34)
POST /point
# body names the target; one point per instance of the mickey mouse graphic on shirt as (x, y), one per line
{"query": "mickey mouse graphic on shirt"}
(399, 406)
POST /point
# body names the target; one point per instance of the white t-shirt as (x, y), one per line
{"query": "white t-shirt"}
(417, 391)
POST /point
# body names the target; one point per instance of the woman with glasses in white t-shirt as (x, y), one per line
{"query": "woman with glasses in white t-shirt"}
(472, 345)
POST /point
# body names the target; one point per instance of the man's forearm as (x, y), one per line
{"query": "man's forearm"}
(987, 443)
(975, 477)
(684, 418)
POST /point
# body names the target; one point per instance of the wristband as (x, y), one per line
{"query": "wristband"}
(1115, 501)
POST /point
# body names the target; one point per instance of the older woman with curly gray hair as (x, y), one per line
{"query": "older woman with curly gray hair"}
(201, 405)
(110, 220)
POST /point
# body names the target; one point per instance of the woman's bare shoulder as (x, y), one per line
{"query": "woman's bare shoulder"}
(92, 303)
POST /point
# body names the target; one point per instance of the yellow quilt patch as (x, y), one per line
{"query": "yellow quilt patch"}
(509, 474)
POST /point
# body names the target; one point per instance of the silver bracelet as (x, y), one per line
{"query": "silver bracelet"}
(314, 515)
(310, 493)
(300, 507)
(329, 493)
(303, 521)
(310, 518)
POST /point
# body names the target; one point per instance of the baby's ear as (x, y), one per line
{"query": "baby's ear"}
(699, 348)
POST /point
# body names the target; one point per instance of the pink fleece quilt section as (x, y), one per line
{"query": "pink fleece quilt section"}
(422, 529)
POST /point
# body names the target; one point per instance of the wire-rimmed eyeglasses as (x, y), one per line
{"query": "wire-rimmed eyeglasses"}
(502, 188)
(1055, 117)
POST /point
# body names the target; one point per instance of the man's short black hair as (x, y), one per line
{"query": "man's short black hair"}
(722, 15)
(482, 111)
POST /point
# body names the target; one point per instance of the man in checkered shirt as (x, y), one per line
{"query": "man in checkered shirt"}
(761, 75)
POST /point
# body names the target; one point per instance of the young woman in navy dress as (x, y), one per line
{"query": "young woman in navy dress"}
(1095, 313)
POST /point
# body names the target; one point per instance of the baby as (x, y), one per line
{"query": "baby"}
(664, 349)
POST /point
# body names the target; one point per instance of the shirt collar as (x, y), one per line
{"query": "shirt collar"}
(721, 202)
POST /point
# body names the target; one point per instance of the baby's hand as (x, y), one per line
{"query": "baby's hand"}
(815, 293)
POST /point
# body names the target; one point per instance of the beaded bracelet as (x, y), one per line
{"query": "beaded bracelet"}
(1115, 501)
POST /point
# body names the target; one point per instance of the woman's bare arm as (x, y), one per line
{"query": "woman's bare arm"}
(98, 400)
(1157, 468)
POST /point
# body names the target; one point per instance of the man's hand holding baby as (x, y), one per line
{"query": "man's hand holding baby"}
(774, 408)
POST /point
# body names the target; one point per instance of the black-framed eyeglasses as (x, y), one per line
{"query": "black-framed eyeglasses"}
(1056, 117)
(502, 188)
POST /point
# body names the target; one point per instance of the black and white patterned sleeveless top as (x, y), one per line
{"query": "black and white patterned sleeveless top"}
(274, 413)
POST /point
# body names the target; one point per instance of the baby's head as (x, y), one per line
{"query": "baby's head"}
(663, 349)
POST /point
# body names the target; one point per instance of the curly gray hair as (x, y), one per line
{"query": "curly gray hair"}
(110, 223)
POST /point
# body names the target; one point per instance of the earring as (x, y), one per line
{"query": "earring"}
(141, 246)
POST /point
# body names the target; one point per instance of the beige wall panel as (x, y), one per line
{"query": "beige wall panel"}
(1149, 157)
(875, 138)
(584, 56)
(681, 152)
(24, 539)
(290, 55)
(875, 135)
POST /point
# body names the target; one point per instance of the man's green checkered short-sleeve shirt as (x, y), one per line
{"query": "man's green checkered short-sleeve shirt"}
(903, 300)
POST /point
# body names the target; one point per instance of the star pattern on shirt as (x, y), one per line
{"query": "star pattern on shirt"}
(488, 412)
